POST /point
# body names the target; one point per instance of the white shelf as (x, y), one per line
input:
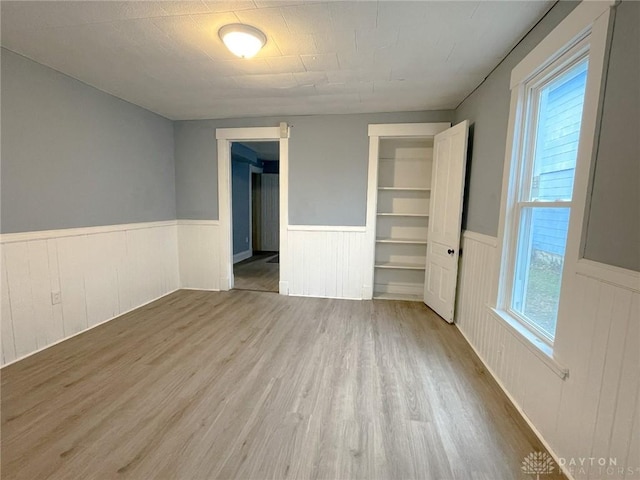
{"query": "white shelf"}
(397, 296)
(403, 192)
(408, 241)
(401, 266)
(406, 189)
(394, 214)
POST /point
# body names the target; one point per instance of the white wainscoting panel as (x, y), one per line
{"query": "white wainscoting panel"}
(98, 273)
(326, 261)
(595, 411)
(199, 254)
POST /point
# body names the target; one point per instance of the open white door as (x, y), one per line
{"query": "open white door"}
(445, 216)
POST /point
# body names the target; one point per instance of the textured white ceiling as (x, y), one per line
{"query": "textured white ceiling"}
(320, 57)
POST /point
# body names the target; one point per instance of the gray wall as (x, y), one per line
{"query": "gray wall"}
(73, 156)
(613, 229)
(328, 162)
(241, 207)
(488, 111)
(614, 220)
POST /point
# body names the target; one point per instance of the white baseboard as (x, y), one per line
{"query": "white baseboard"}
(600, 312)
(195, 289)
(524, 416)
(399, 288)
(318, 296)
(238, 257)
(57, 283)
(85, 330)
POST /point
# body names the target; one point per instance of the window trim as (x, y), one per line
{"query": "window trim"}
(523, 163)
(588, 21)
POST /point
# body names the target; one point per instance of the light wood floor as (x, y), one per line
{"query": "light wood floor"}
(256, 273)
(250, 385)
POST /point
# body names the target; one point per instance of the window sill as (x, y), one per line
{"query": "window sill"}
(534, 343)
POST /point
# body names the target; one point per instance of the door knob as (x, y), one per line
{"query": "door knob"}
(451, 251)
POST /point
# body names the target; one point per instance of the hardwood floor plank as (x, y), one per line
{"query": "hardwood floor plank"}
(252, 385)
(256, 273)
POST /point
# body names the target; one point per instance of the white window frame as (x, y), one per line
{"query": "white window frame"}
(523, 163)
(586, 27)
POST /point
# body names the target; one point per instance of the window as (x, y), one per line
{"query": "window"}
(545, 193)
(552, 102)
(553, 119)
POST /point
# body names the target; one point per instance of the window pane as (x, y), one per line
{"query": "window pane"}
(557, 133)
(538, 271)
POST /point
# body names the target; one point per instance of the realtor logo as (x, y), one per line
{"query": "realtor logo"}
(538, 463)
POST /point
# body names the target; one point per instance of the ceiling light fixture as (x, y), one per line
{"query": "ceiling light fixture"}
(243, 41)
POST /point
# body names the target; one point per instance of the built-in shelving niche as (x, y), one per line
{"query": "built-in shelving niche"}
(402, 216)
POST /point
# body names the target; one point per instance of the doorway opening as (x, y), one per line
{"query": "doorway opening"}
(225, 138)
(255, 182)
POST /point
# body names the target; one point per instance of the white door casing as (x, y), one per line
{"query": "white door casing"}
(224, 138)
(445, 216)
(376, 133)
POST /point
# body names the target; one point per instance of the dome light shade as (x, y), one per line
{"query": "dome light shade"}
(243, 41)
